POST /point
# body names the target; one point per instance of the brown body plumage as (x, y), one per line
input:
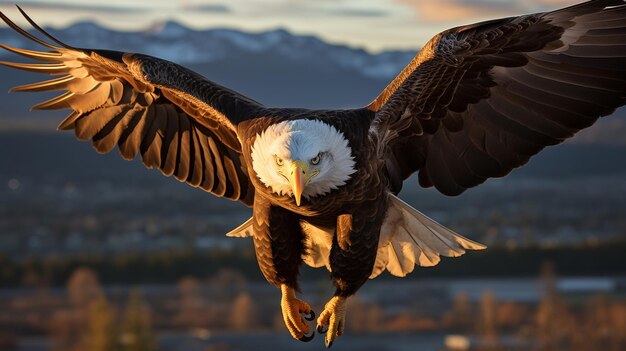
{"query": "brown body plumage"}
(475, 103)
(363, 198)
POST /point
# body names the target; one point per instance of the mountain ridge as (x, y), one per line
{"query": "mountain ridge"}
(174, 41)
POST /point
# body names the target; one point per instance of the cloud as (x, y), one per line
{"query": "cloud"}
(438, 11)
(448, 10)
(306, 9)
(120, 8)
(26, 5)
(359, 13)
(209, 8)
(554, 2)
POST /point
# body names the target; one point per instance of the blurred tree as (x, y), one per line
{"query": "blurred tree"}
(137, 333)
(618, 325)
(599, 314)
(547, 308)
(70, 328)
(101, 334)
(243, 315)
(511, 316)
(598, 324)
(83, 288)
(487, 327)
(462, 312)
(554, 323)
(191, 312)
(65, 330)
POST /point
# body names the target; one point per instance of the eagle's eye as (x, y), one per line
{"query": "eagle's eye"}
(279, 161)
(316, 160)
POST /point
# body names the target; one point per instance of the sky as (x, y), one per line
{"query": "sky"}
(374, 25)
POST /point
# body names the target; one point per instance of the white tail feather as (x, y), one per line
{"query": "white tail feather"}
(408, 238)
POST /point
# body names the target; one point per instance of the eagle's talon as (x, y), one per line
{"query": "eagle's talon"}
(293, 310)
(333, 317)
(310, 316)
(307, 338)
(322, 329)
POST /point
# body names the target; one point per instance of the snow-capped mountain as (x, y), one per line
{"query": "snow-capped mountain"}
(175, 42)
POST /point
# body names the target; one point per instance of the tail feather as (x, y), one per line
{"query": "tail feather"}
(409, 238)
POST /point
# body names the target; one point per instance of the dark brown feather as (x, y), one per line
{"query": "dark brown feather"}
(152, 143)
(489, 96)
(180, 122)
(106, 139)
(130, 140)
(196, 176)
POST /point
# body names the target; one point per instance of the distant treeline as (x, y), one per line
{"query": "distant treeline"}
(170, 267)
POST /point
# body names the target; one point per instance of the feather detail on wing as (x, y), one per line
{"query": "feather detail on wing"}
(176, 120)
(480, 100)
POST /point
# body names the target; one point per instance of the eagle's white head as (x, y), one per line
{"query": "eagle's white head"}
(302, 158)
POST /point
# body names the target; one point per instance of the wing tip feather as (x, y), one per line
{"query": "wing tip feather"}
(41, 30)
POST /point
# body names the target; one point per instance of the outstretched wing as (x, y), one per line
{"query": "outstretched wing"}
(480, 100)
(178, 121)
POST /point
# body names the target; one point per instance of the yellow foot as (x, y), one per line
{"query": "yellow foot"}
(334, 318)
(292, 308)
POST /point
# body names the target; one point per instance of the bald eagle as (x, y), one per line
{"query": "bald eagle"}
(476, 102)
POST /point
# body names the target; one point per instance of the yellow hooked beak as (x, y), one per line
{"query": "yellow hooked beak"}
(299, 175)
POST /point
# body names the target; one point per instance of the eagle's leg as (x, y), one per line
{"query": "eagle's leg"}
(278, 243)
(352, 258)
(292, 309)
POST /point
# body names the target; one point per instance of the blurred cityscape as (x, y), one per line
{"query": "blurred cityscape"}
(99, 254)
(72, 201)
